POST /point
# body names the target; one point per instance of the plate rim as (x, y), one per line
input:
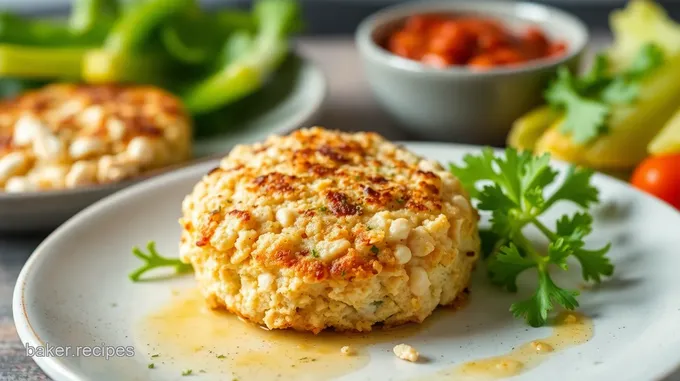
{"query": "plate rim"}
(55, 369)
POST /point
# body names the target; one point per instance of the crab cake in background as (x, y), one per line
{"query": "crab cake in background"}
(322, 229)
(67, 136)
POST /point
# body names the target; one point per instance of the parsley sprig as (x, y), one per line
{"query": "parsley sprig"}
(512, 188)
(587, 101)
(154, 260)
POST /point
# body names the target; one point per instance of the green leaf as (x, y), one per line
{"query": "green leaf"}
(558, 252)
(503, 223)
(585, 119)
(511, 167)
(535, 309)
(534, 197)
(649, 58)
(594, 263)
(597, 76)
(576, 188)
(621, 91)
(154, 260)
(538, 173)
(504, 267)
(515, 198)
(489, 241)
(493, 197)
(476, 168)
(574, 228)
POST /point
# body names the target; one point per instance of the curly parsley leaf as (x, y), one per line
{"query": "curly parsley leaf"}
(153, 260)
(513, 190)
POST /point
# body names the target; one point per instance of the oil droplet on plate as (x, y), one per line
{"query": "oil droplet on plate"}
(569, 329)
(189, 335)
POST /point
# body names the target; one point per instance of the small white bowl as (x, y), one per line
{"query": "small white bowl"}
(456, 103)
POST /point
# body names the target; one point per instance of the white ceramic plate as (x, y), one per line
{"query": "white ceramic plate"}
(291, 100)
(65, 293)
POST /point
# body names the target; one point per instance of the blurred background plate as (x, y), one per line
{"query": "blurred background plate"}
(292, 99)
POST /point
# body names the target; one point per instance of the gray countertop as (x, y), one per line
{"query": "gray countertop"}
(350, 107)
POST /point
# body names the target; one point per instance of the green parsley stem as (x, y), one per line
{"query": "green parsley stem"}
(544, 229)
(521, 242)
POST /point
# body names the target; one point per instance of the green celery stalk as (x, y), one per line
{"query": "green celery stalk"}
(20, 31)
(132, 30)
(88, 15)
(40, 62)
(103, 66)
(233, 20)
(195, 37)
(247, 73)
(123, 57)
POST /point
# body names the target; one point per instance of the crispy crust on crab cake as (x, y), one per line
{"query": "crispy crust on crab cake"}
(67, 135)
(322, 229)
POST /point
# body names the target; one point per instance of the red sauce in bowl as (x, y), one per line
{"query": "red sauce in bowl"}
(474, 42)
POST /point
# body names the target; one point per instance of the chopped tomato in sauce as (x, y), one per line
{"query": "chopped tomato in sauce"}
(477, 43)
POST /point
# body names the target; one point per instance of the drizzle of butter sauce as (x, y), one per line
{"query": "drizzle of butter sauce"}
(569, 329)
(186, 334)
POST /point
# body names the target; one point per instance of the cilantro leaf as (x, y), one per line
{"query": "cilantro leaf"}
(489, 241)
(535, 309)
(584, 118)
(574, 228)
(154, 260)
(621, 91)
(534, 197)
(576, 188)
(504, 268)
(516, 198)
(538, 172)
(492, 197)
(594, 263)
(597, 77)
(649, 58)
(588, 100)
(511, 167)
(558, 252)
(477, 168)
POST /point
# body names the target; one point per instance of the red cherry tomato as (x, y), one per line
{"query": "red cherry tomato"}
(660, 176)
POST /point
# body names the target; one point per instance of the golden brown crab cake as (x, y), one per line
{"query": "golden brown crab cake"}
(322, 229)
(68, 135)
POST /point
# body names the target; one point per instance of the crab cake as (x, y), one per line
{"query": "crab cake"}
(322, 229)
(66, 135)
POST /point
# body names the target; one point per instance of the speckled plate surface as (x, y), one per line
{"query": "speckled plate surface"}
(74, 291)
(292, 99)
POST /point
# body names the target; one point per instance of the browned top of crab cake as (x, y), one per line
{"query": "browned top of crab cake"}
(329, 205)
